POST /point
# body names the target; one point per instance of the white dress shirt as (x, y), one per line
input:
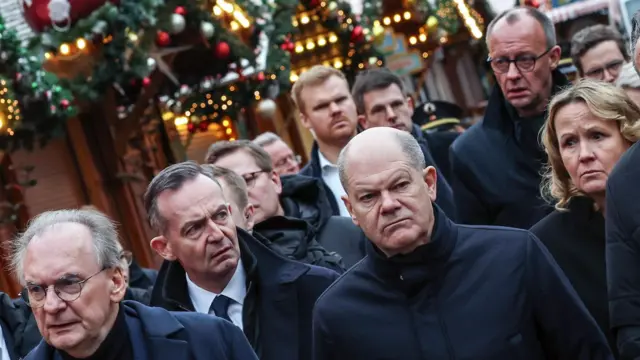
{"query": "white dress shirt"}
(4, 352)
(235, 290)
(331, 177)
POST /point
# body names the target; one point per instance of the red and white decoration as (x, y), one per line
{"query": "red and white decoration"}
(58, 14)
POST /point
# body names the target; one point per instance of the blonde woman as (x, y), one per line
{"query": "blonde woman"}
(588, 128)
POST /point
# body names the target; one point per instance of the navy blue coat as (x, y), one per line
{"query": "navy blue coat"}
(481, 293)
(279, 303)
(622, 214)
(157, 334)
(496, 168)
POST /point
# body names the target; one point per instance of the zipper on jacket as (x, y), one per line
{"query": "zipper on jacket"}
(443, 328)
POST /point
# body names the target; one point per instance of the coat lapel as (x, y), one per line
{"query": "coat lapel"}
(164, 348)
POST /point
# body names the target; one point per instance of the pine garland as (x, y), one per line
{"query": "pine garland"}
(35, 105)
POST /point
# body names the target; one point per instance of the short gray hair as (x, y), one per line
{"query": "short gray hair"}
(408, 144)
(171, 178)
(512, 16)
(628, 77)
(103, 233)
(266, 139)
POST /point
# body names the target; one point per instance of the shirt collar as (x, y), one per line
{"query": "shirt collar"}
(236, 290)
(324, 163)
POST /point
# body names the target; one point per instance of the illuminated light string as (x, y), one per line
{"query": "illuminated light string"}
(9, 109)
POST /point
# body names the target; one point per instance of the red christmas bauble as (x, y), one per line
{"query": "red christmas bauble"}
(64, 103)
(357, 34)
(163, 38)
(204, 126)
(41, 16)
(180, 10)
(260, 77)
(222, 50)
(146, 81)
(191, 127)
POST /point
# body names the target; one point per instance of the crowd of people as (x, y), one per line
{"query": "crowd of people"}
(518, 238)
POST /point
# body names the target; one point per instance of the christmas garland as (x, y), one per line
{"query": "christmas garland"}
(33, 105)
(125, 35)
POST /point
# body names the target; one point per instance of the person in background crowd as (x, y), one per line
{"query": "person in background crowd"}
(285, 162)
(431, 289)
(135, 294)
(13, 337)
(622, 214)
(590, 126)
(598, 52)
(328, 111)
(69, 263)
(441, 124)
(497, 162)
(381, 100)
(629, 81)
(290, 209)
(215, 268)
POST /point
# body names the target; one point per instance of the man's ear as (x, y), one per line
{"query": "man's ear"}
(362, 120)
(431, 179)
(410, 104)
(554, 57)
(162, 247)
(275, 178)
(347, 203)
(118, 285)
(304, 120)
(248, 213)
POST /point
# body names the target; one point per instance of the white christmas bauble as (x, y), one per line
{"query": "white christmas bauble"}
(267, 108)
(207, 29)
(59, 10)
(151, 64)
(177, 24)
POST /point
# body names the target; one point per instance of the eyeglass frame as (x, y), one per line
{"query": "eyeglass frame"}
(515, 60)
(24, 294)
(612, 66)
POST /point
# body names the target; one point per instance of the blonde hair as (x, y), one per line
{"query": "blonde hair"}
(312, 77)
(603, 100)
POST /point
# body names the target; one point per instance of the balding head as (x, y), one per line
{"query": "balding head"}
(389, 190)
(369, 143)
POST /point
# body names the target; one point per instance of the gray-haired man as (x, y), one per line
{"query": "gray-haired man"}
(69, 263)
(285, 162)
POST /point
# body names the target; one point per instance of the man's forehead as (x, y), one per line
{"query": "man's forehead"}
(525, 31)
(239, 161)
(325, 91)
(190, 197)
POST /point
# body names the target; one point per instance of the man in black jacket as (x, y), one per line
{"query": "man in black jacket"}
(381, 100)
(623, 252)
(279, 201)
(431, 289)
(497, 163)
(215, 268)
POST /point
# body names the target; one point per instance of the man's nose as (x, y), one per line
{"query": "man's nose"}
(52, 302)
(609, 77)
(391, 115)
(389, 204)
(513, 72)
(215, 233)
(334, 107)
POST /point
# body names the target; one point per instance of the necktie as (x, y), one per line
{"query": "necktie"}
(220, 307)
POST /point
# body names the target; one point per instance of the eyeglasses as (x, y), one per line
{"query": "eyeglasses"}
(524, 63)
(250, 178)
(127, 256)
(296, 159)
(67, 290)
(613, 68)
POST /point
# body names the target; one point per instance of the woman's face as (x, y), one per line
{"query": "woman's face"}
(589, 147)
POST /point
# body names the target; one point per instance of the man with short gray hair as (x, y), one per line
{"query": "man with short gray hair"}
(69, 264)
(213, 267)
(285, 162)
(431, 289)
(496, 164)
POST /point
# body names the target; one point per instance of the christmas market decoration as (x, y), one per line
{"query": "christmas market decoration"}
(33, 105)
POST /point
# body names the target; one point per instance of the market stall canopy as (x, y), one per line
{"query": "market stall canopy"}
(576, 9)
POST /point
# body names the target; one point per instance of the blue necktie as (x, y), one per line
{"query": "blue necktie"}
(220, 307)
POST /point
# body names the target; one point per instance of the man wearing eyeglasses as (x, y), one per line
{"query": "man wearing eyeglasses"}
(69, 262)
(292, 208)
(285, 162)
(598, 52)
(497, 163)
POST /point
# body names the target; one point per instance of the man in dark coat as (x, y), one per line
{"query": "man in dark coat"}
(497, 162)
(69, 262)
(294, 208)
(15, 341)
(381, 100)
(623, 252)
(215, 268)
(431, 289)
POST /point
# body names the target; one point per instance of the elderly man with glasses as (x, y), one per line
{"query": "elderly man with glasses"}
(70, 264)
(496, 164)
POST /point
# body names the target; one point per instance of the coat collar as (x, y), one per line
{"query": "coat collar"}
(424, 262)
